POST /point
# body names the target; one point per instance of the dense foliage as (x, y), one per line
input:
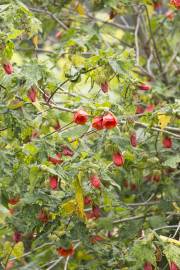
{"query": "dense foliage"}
(89, 134)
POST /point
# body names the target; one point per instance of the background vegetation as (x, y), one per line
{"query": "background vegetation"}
(89, 134)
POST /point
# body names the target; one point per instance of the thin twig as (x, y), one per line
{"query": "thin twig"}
(51, 15)
(66, 263)
(136, 39)
(131, 218)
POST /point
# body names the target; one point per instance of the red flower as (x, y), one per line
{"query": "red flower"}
(173, 266)
(139, 109)
(95, 181)
(133, 140)
(8, 68)
(176, 3)
(42, 216)
(67, 151)
(13, 201)
(17, 236)
(118, 159)
(133, 186)
(149, 108)
(32, 94)
(148, 266)
(144, 87)
(96, 238)
(169, 15)
(97, 122)
(56, 160)
(80, 117)
(157, 5)
(167, 142)
(10, 265)
(109, 121)
(65, 252)
(156, 178)
(105, 87)
(96, 212)
(57, 125)
(53, 182)
(58, 35)
(87, 200)
(89, 215)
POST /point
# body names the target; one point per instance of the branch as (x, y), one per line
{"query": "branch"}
(66, 263)
(136, 39)
(131, 218)
(50, 15)
(155, 47)
(55, 263)
(122, 26)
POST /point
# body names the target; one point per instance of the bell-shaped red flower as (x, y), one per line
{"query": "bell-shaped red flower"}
(139, 109)
(176, 3)
(95, 181)
(67, 151)
(17, 236)
(148, 266)
(96, 211)
(97, 122)
(96, 238)
(87, 200)
(80, 117)
(8, 68)
(53, 182)
(105, 87)
(32, 94)
(133, 139)
(173, 266)
(13, 201)
(167, 142)
(56, 160)
(65, 252)
(42, 216)
(118, 159)
(109, 121)
(144, 87)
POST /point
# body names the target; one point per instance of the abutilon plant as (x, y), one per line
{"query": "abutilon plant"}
(89, 134)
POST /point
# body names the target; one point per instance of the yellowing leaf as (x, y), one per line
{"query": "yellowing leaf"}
(169, 240)
(68, 208)
(15, 104)
(163, 120)
(18, 250)
(35, 41)
(79, 196)
(38, 106)
(80, 9)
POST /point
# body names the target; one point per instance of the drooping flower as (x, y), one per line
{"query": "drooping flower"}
(53, 182)
(97, 122)
(32, 94)
(105, 87)
(65, 252)
(56, 160)
(109, 121)
(118, 159)
(95, 181)
(8, 68)
(167, 142)
(80, 117)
